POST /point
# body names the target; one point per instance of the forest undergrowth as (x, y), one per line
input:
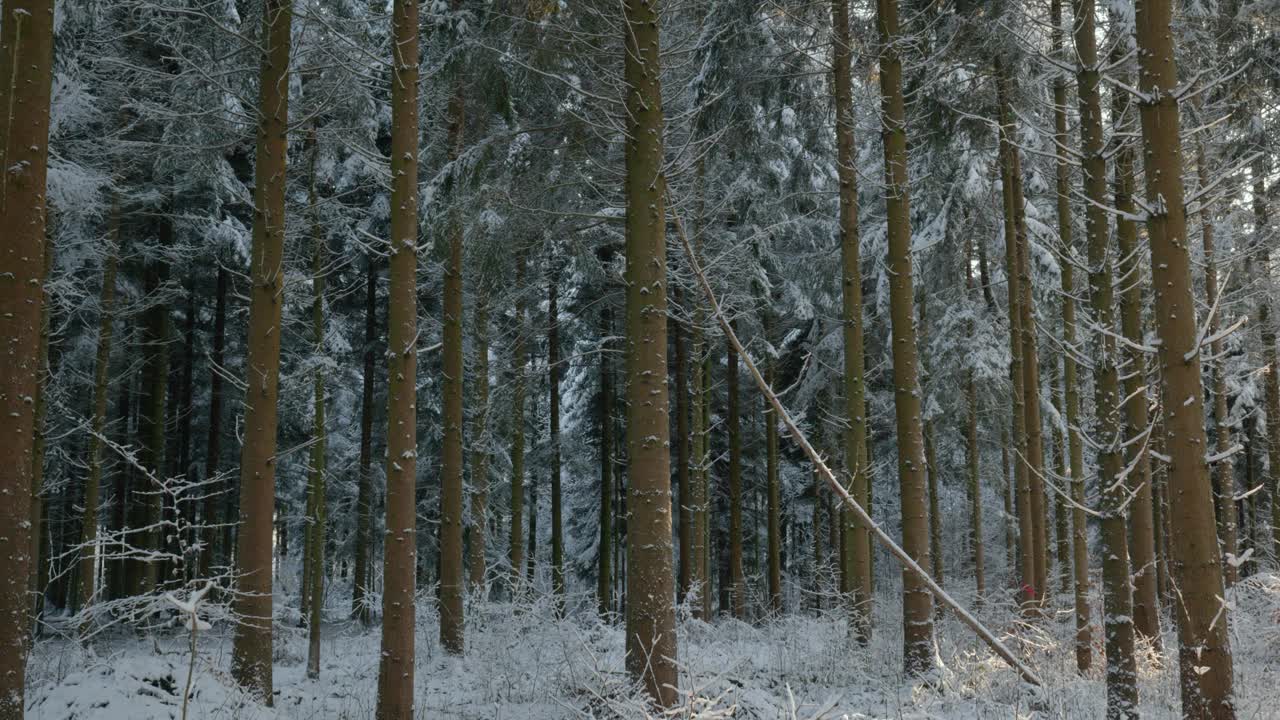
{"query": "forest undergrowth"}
(521, 662)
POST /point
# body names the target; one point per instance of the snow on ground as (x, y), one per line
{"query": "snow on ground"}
(522, 663)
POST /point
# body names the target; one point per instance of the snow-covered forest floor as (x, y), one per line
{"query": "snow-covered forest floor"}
(523, 663)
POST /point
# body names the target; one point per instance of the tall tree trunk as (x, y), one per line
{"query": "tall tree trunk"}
(395, 670)
(1022, 496)
(774, 490)
(1204, 650)
(651, 639)
(213, 454)
(26, 43)
(101, 383)
(737, 578)
(1010, 534)
(1061, 513)
(116, 570)
(1070, 381)
(41, 550)
(151, 425)
(452, 586)
(1117, 599)
(917, 601)
(935, 518)
(519, 361)
(857, 554)
(479, 443)
(319, 435)
(251, 652)
(553, 379)
(1142, 549)
(681, 403)
(604, 572)
(360, 604)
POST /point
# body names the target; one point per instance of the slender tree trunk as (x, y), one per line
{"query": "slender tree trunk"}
(116, 570)
(1061, 513)
(935, 517)
(213, 453)
(1117, 599)
(553, 372)
(396, 667)
(151, 425)
(1142, 550)
(101, 382)
(519, 363)
(681, 403)
(1071, 398)
(651, 640)
(917, 601)
(479, 443)
(251, 654)
(1010, 534)
(1204, 648)
(452, 585)
(41, 548)
(1008, 171)
(319, 435)
(604, 573)
(774, 491)
(857, 554)
(360, 608)
(737, 578)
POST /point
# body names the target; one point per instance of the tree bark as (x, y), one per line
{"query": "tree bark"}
(26, 43)
(1204, 648)
(101, 384)
(651, 640)
(400, 562)
(479, 444)
(1117, 599)
(737, 578)
(774, 491)
(917, 600)
(553, 372)
(213, 453)
(360, 604)
(1142, 550)
(681, 403)
(604, 572)
(319, 439)
(1017, 377)
(857, 553)
(519, 363)
(251, 652)
(452, 585)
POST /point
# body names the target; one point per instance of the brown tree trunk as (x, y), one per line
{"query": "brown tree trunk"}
(452, 585)
(935, 518)
(681, 403)
(101, 382)
(1117, 599)
(917, 600)
(319, 440)
(151, 425)
(519, 362)
(1204, 648)
(213, 455)
(774, 491)
(857, 554)
(553, 379)
(737, 578)
(360, 608)
(251, 654)
(479, 454)
(1013, 274)
(651, 640)
(26, 43)
(1142, 550)
(604, 572)
(396, 671)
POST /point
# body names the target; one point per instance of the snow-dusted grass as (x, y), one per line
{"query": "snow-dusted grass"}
(522, 662)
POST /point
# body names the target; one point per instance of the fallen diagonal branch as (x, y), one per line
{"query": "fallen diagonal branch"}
(896, 550)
